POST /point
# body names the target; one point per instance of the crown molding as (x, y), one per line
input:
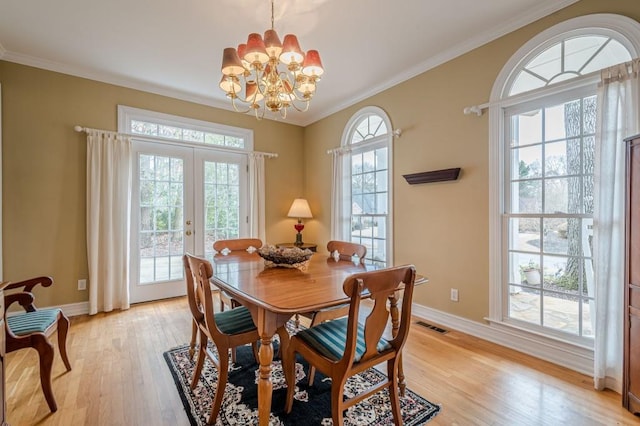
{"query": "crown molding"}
(460, 49)
(511, 25)
(118, 80)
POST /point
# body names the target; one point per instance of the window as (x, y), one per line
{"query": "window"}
(542, 202)
(190, 188)
(367, 184)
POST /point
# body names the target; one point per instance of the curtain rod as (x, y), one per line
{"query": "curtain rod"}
(80, 129)
(395, 134)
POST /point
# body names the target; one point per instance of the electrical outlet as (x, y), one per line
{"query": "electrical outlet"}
(82, 284)
(454, 294)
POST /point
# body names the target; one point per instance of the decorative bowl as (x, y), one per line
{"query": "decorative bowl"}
(286, 257)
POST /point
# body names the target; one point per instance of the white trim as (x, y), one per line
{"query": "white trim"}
(576, 358)
(127, 113)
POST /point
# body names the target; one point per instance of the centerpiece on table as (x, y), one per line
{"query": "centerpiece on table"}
(285, 257)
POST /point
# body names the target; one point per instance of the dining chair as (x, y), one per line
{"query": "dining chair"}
(237, 244)
(32, 329)
(345, 250)
(225, 300)
(343, 347)
(226, 330)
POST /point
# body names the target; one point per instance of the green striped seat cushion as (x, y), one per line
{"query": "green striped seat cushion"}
(32, 322)
(235, 321)
(329, 338)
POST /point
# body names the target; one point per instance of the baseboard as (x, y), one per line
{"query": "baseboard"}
(566, 355)
(70, 310)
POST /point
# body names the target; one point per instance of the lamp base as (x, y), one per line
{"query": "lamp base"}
(299, 227)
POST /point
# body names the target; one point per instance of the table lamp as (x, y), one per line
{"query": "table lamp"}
(300, 210)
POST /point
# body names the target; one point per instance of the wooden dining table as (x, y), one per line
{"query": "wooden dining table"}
(274, 294)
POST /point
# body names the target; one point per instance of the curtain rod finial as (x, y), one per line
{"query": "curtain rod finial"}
(78, 128)
(473, 110)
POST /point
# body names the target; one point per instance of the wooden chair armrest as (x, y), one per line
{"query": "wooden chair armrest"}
(31, 283)
(25, 299)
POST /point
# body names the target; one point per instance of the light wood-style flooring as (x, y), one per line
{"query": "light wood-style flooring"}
(119, 377)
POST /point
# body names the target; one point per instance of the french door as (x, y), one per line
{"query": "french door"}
(183, 199)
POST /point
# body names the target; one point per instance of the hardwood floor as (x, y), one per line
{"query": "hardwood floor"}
(119, 377)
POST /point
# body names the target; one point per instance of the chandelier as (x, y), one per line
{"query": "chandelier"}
(275, 76)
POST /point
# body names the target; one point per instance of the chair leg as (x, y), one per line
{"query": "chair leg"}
(254, 347)
(337, 412)
(63, 328)
(289, 367)
(392, 369)
(223, 372)
(283, 334)
(192, 343)
(45, 353)
(202, 353)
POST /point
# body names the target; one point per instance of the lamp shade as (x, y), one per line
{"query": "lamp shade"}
(300, 209)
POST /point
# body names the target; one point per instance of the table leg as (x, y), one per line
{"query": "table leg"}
(395, 325)
(265, 386)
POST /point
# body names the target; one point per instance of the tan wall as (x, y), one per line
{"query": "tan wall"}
(44, 161)
(442, 228)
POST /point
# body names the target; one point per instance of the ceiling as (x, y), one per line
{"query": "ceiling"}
(174, 48)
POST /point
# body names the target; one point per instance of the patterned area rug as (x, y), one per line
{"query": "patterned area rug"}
(311, 405)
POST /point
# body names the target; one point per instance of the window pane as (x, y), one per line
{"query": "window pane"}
(526, 128)
(381, 203)
(554, 123)
(562, 195)
(561, 312)
(170, 132)
(525, 234)
(527, 161)
(524, 305)
(548, 63)
(613, 53)
(579, 50)
(526, 196)
(381, 158)
(381, 181)
(555, 157)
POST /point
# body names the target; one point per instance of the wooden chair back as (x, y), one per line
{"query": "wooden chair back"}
(347, 249)
(380, 285)
(201, 302)
(237, 244)
(321, 345)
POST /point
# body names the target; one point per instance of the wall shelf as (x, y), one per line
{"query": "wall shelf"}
(433, 176)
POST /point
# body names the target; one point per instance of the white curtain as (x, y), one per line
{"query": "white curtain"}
(618, 118)
(340, 196)
(256, 197)
(108, 213)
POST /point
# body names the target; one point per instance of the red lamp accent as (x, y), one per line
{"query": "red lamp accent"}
(300, 209)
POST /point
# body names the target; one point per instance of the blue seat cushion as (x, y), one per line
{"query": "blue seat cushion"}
(329, 338)
(32, 322)
(235, 321)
